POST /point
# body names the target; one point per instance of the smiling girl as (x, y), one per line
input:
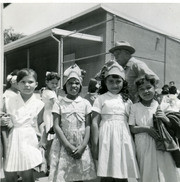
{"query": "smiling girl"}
(155, 165)
(112, 141)
(71, 158)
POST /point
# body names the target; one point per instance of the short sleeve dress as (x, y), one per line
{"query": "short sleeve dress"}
(48, 97)
(155, 165)
(116, 150)
(62, 166)
(23, 152)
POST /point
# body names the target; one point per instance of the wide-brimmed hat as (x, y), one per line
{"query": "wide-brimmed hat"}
(122, 45)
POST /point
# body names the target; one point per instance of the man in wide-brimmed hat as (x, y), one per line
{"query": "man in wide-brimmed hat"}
(134, 68)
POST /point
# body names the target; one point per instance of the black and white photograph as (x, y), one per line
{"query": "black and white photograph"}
(89, 91)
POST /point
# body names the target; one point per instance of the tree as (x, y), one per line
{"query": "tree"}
(10, 35)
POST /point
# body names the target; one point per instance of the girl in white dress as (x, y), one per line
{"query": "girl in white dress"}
(115, 151)
(25, 111)
(11, 91)
(49, 97)
(155, 165)
(71, 158)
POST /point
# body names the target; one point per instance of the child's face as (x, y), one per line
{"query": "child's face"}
(146, 91)
(114, 85)
(52, 84)
(73, 86)
(27, 85)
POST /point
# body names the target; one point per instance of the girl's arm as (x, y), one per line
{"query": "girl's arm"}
(77, 153)
(160, 114)
(56, 125)
(41, 129)
(145, 129)
(95, 133)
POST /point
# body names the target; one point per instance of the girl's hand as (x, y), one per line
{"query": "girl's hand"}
(42, 145)
(77, 153)
(160, 114)
(70, 148)
(6, 120)
(153, 133)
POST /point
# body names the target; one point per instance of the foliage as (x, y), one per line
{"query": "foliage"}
(10, 35)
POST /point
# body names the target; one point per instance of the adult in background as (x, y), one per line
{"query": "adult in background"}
(134, 68)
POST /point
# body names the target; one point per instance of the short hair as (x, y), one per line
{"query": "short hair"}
(92, 87)
(52, 75)
(172, 82)
(172, 90)
(149, 78)
(26, 72)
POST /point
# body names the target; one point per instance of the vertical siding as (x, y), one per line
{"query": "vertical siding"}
(149, 45)
(173, 62)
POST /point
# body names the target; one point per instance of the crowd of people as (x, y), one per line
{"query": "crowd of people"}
(121, 131)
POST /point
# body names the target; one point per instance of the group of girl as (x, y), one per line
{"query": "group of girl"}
(112, 125)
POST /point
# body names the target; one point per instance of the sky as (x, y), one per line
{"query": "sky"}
(29, 18)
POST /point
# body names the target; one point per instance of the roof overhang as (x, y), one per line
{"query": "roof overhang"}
(42, 35)
(73, 34)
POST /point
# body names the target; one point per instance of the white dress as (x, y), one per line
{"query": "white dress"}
(48, 97)
(116, 151)
(22, 151)
(155, 165)
(63, 167)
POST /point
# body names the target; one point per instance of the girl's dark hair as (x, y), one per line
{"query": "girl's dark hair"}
(51, 76)
(149, 78)
(124, 91)
(172, 90)
(64, 88)
(13, 73)
(92, 87)
(26, 72)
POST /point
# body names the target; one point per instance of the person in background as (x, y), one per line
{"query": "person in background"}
(112, 141)
(49, 97)
(172, 83)
(155, 165)
(170, 102)
(92, 90)
(12, 87)
(71, 158)
(10, 91)
(25, 111)
(134, 68)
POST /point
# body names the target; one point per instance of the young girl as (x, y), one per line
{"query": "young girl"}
(116, 158)
(92, 90)
(71, 158)
(25, 111)
(48, 97)
(11, 91)
(155, 165)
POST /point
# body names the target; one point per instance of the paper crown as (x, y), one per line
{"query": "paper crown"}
(74, 72)
(112, 68)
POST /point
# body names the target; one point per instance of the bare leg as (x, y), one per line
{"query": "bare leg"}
(27, 176)
(11, 176)
(107, 179)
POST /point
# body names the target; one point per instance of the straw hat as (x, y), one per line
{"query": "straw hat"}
(122, 45)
